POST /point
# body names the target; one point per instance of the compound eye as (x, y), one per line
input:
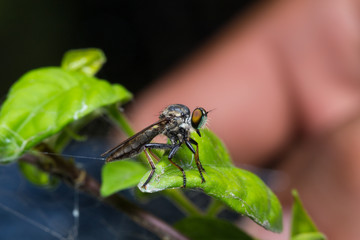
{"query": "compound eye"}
(198, 118)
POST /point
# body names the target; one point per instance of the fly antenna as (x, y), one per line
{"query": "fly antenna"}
(210, 110)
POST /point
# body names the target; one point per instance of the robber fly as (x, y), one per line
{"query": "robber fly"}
(175, 123)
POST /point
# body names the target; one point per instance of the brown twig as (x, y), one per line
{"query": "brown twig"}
(78, 178)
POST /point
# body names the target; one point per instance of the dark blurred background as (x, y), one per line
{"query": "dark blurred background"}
(141, 39)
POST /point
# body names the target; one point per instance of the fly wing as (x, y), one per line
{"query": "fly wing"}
(134, 144)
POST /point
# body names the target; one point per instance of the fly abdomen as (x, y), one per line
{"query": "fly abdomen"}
(134, 145)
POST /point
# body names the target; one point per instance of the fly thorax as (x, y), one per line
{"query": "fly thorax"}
(177, 129)
(186, 126)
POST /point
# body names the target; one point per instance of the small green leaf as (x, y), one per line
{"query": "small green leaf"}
(208, 228)
(36, 176)
(302, 227)
(44, 101)
(88, 61)
(309, 236)
(241, 190)
(120, 175)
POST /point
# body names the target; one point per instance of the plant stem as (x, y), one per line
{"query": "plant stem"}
(119, 118)
(183, 202)
(78, 178)
(214, 208)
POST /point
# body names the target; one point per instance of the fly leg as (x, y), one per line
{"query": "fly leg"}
(152, 167)
(148, 148)
(174, 149)
(196, 153)
(154, 155)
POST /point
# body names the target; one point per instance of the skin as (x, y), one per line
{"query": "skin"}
(284, 86)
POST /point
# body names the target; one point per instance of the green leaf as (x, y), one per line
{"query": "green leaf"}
(120, 175)
(207, 228)
(87, 61)
(239, 189)
(302, 227)
(44, 101)
(309, 236)
(36, 176)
